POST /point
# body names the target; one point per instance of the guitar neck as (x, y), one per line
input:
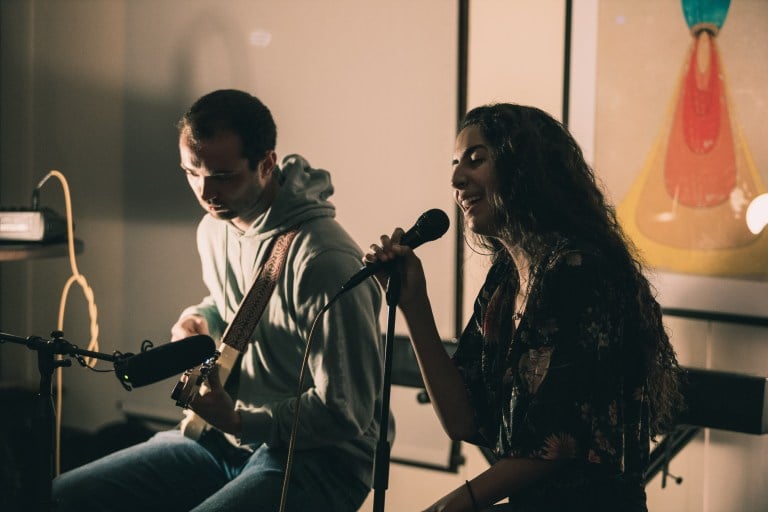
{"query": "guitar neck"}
(227, 358)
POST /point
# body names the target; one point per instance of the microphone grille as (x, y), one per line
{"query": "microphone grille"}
(432, 225)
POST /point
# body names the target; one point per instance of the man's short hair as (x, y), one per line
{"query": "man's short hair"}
(230, 110)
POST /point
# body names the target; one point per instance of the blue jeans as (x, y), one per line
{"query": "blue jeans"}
(173, 473)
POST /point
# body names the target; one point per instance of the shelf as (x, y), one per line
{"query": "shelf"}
(19, 251)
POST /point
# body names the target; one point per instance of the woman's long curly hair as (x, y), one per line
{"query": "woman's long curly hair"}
(545, 191)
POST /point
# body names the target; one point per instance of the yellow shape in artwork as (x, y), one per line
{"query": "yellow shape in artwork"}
(686, 211)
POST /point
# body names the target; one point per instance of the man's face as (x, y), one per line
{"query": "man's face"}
(221, 178)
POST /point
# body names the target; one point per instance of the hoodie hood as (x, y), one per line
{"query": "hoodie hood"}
(303, 195)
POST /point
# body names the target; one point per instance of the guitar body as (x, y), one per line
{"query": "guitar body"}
(193, 383)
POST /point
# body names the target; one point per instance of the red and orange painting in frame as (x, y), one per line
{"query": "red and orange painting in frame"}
(680, 136)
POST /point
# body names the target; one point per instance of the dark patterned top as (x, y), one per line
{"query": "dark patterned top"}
(564, 384)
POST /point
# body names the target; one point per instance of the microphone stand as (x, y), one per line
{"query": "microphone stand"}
(381, 469)
(43, 422)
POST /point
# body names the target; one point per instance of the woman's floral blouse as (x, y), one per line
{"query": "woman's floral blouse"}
(561, 384)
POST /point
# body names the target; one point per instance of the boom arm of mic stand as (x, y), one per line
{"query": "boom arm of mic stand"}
(43, 423)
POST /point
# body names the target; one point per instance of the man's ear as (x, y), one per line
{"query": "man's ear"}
(268, 163)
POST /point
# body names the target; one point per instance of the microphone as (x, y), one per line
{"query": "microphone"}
(165, 361)
(430, 226)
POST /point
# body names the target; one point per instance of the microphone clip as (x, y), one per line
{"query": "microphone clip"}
(121, 359)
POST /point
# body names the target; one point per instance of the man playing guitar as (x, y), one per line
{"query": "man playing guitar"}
(236, 460)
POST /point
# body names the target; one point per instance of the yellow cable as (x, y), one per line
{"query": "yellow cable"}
(76, 277)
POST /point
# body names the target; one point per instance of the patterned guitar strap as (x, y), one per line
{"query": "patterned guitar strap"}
(251, 308)
(238, 333)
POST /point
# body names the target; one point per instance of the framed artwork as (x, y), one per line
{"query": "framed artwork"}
(681, 101)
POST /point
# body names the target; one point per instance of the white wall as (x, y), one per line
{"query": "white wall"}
(367, 90)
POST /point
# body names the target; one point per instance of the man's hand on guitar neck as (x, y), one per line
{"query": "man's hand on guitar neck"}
(187, 326)
(216, 407)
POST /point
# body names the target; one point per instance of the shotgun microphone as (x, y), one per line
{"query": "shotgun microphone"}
(164, 361)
